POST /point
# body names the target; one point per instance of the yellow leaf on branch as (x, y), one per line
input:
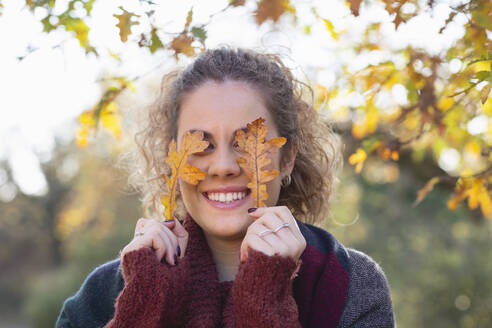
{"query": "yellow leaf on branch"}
(257, 152)
(475, 189)
(110, 119)
(180, 169)
(445, 103)
(480, 66)
(358, 159)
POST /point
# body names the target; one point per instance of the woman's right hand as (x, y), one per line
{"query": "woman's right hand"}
(167, 239)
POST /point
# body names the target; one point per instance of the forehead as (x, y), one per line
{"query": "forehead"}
(220, 108)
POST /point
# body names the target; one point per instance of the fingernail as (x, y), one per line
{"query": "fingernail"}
(178, 250)
(251, 210)
(175, 259)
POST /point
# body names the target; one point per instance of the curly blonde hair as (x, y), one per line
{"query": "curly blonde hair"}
(318, 147)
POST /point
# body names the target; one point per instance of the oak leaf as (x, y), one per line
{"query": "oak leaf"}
(182, 44)
(191, 143)
(257, 151)
(355, 6)
(270, 9)
(125, 23)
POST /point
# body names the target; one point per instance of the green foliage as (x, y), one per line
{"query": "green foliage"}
(436, 260)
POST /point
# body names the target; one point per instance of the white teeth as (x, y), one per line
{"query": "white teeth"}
(226, 197)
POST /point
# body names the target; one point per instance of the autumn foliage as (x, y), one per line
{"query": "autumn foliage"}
(180, 169)
(257, 153)
(445, 110)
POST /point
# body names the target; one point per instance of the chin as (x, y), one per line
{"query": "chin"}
(226, 228)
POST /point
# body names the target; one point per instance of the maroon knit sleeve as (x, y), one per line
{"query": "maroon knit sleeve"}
(262, 292)
(153, 295)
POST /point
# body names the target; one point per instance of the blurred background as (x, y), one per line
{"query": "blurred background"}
(405, 83)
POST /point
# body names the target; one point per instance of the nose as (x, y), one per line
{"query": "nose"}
(224, 164)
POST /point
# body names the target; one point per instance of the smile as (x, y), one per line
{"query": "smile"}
(226, 199)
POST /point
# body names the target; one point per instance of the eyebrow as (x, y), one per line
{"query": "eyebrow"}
(208, 135)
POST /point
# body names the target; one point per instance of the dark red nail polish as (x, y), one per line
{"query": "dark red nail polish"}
(251, 210)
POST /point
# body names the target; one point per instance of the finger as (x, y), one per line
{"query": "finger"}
(141, 224)
(255, 242)
(257, 212)
(284, 214)
(170, 250)
(279, 246)
(152, 239)
(169, 224)
(173, 240)
(181, 235)
(272, 221)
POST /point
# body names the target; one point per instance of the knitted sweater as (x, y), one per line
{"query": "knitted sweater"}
(333, 287)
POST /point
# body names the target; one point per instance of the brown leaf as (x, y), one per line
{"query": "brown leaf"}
(270, 9)
(182, 44)
(189, 18)
(237, 3)
(191, 143)
(257, 150)
(355, 6)
(125, 23)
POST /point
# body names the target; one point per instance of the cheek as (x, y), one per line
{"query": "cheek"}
(188, 192)
(273, 190)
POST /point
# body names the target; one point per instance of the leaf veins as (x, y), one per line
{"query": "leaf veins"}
(257, 151)
(191, 143)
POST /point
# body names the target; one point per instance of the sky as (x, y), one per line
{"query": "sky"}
(42, 95)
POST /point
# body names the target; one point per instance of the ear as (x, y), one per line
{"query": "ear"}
(288, 160)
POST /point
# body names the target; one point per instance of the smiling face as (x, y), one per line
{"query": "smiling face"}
(219, 109)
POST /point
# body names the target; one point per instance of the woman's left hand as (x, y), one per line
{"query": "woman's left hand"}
(286, 242)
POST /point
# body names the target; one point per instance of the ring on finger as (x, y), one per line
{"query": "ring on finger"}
(138, 234)
(264, 232)
(286, 224)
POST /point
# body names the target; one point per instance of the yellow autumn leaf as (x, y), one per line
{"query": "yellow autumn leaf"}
(110, 119)
(190, 144)
(358, 159)
(480, 66)
(474, 191)
(445, 103)
(485, 204)
(125, 23)
(257, 152)
(459, 194)
(487, 106)
(82, 136)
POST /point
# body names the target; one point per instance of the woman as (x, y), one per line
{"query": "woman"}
(227, 263)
